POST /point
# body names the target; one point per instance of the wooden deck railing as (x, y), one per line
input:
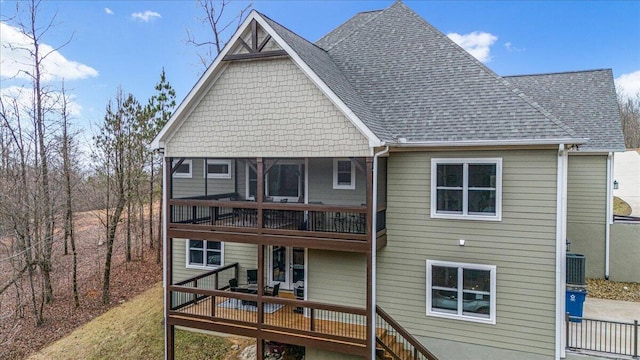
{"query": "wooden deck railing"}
(395, 341)
(330, 221)
(296, 318)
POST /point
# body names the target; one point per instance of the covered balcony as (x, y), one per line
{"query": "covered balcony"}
(321, 203)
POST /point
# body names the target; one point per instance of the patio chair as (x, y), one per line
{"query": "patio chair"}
(233, 283)
(252, 276)
(272, 291)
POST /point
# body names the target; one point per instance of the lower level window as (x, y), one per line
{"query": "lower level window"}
(461, 291)
(204, 254)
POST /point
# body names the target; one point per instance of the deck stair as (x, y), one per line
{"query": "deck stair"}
(393, 342)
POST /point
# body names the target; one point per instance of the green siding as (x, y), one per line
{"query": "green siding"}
(587, 189)
(522, 246)
(195, 186)
(586, 210)
(321, 184)
(337, 278)
(244, 254)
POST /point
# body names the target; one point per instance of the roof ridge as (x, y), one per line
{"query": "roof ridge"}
(559, 72)
(380, 11)
(497, 77)
(291, 31)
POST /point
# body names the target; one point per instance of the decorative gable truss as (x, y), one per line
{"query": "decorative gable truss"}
(254, 43)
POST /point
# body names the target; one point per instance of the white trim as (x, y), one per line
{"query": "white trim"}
(561, 249)
(460, 312)
(350, 186)
(609, 215)
(188, 265)
(207, 175)
(165, 268)
(489, 142)
(247, 182)
(374, 247)
(465, 190)
(176, 174)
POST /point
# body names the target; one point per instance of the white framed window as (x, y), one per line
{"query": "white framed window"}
(218, 169)
(344, 174)
(466, 189)
(184, 170)
(461, 291)
(285, 181)
(203, 254)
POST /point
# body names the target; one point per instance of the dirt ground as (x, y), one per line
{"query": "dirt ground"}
(61, 317)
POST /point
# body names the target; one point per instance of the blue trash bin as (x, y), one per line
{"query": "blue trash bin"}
(574, 303)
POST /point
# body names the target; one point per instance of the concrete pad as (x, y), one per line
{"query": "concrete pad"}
(613, 310)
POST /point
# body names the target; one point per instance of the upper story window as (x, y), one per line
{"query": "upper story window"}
(461, 291)
(184, 170)
(204, 254)
(344, 174)
(218, 169)
(466, 189)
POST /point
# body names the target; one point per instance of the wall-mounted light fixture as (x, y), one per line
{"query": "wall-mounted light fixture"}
(615, 185)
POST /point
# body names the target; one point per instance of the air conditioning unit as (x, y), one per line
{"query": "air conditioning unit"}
(576, 265)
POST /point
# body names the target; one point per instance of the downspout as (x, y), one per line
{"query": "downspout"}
(374, 246)
(561, 250)
(609, 215)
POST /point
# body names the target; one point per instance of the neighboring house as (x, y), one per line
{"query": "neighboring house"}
(400, 194)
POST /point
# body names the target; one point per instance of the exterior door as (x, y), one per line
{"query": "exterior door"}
(286, 266)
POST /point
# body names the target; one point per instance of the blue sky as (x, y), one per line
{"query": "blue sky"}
(127, 43)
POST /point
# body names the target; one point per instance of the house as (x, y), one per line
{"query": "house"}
(398, 195)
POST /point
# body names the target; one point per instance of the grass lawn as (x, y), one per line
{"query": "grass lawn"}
(134, 330)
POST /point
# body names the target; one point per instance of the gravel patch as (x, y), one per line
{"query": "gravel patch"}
(612, 290)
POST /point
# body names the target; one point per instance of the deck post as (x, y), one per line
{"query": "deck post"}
(168, 266)
(171, 334)
(259, 349)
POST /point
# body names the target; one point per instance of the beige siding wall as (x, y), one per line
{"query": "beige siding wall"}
(625, 252)
(321, 184)
(337, 278)
(194, 186)
(244, 254)
(586, 209)
(270, 103)
(522, 246)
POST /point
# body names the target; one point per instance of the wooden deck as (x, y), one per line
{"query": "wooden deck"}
(283, 320)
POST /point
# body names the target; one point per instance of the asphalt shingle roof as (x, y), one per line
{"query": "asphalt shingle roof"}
(584, 100)
(322, 64)
(423, 87)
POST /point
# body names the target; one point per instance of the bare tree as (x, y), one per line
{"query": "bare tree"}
(214, 21)
(66, 152)
(630, 114)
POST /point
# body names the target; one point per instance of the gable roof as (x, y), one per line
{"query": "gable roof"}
(311, 54)
(401, 82)
(585, 100)
(425, 89)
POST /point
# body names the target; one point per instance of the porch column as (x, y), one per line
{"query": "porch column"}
(370, 271)
(261, 282)
(168, 265)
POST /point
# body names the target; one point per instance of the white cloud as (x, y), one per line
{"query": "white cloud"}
(476, 43)
(16, 59)
(145, 16)
(108, 11)
(628, 85)
(510, 48)
(24, 98)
